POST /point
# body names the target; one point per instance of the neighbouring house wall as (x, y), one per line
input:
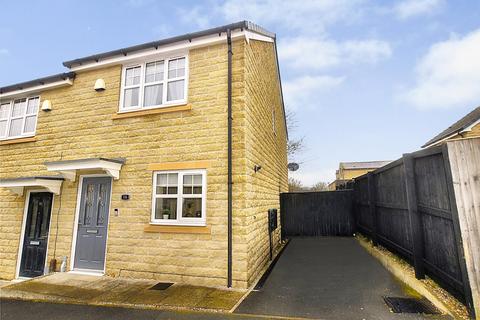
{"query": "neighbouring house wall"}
(80, 125)
(264, 148)
(475, 132)
(348, 174)
(464, 157)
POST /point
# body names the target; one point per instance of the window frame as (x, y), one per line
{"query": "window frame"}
(143, 66)
(24, 117)
(180, 221)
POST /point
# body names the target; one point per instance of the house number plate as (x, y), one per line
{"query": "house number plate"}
(92, 231)
(34, 243)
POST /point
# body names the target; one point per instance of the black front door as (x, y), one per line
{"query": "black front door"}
(36, 234)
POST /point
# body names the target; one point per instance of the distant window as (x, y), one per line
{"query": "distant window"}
(18, 118)
(179, 197)
(154, 84)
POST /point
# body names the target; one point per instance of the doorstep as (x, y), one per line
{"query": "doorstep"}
(85, 289)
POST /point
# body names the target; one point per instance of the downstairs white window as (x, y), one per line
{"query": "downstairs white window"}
(18, 118)
(179, 197)
(154, 84)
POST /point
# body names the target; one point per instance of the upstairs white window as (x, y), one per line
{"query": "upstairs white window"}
(179, 197)
(18, 118)
(154, 84)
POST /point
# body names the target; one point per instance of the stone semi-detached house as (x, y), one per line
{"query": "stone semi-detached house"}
(122, 164)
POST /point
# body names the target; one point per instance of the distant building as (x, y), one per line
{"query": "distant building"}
(347, 171)
(467, 127)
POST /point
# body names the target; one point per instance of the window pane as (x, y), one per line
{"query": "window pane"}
(166, 208)
(15, 128)
(132, 76)
(153, 95)
(187, 190)
(172, 179)
(131, 98)
(197, 179)
(172, 190)
(162, 179)
(3, 128)
(175, 90)
(30, 124)
(32, 106)
(154, 71)
(192, 208)
(187, 179)
(197, 190)
(19, 108)
(4, 110)
(176, 68)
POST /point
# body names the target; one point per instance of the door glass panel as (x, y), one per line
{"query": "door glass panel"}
(88, 203)
(102, 197)
(33, 220)
(45, 220)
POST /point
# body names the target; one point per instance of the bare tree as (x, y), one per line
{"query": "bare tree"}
(294, 146)
(320, 186)
(295, 185)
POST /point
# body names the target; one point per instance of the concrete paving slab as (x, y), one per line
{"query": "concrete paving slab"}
(94, 290)
(327, 278)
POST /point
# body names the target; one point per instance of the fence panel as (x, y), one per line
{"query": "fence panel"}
(317, 213)
(414, 215)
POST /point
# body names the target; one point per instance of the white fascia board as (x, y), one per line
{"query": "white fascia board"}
(255, 36)
(181, 46)
(69, 169)
(37, 89)
(18, 186)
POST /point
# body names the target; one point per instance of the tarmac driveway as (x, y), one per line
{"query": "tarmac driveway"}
(327, 278)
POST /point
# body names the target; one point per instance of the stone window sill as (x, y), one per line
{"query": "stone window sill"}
(141, 113)
(154, 228)
(17, 140)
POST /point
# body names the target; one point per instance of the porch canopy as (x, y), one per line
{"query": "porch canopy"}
(17, 185)
(68, 168)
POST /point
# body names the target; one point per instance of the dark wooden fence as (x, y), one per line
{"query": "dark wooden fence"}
(409, 207)
(326, 213)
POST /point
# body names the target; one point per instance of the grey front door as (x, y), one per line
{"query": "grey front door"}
(93, 223)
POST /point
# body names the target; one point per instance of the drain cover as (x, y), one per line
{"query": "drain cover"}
(410, 305)
(161, 286)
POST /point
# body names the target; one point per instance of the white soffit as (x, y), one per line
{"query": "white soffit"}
(180, 46)
(68, 168)
(17, 185)
(37, 89)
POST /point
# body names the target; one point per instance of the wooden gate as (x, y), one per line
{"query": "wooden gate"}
(326, 213)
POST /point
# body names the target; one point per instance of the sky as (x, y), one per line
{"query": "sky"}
(366, 80)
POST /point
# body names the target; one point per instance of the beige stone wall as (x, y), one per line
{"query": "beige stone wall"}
(81, 126)
(264, 147)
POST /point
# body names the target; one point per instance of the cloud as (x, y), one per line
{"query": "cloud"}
(411, 8)
(308, 16)
(314, 53)
(301, 91)
(139, 3)
(448, 75)
(4, 51)
(195, 15)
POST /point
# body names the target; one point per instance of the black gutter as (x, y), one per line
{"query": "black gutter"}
(155, 44)
(230, 182)
(37, 82)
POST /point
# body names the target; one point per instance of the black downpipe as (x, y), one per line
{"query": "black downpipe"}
(230, 182)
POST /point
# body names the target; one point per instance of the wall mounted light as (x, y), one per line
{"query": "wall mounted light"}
(99, 85)
(257, 168)
(46, 105)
